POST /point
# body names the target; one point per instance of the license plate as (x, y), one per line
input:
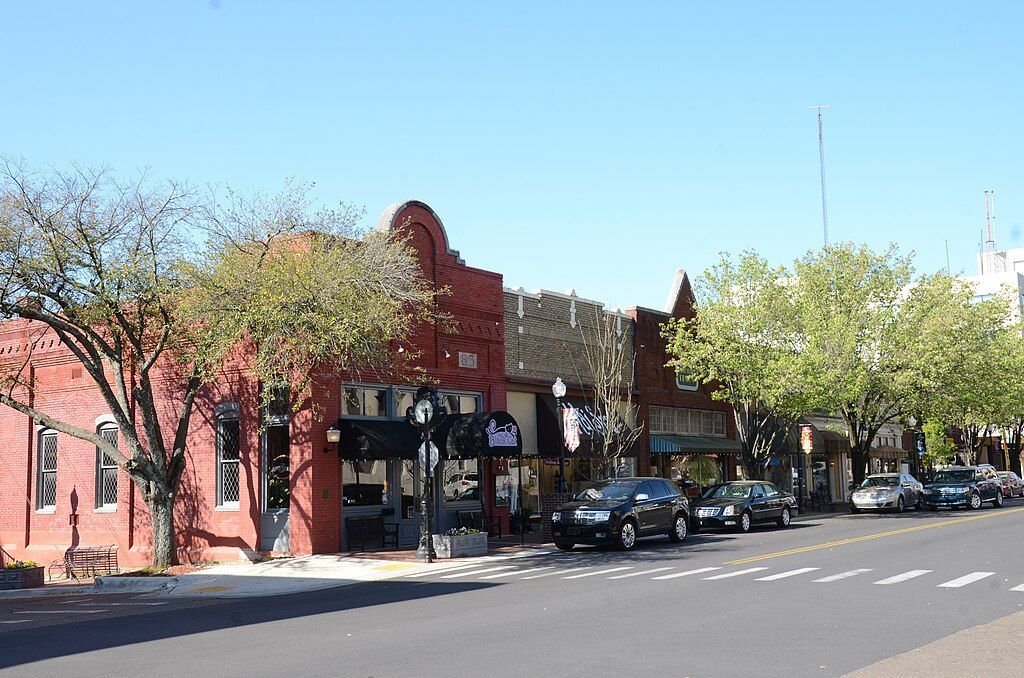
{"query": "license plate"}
(573, 531)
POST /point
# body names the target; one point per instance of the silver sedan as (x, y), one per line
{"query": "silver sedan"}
(892, 491)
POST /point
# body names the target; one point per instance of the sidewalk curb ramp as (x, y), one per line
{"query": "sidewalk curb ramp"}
(130, 584)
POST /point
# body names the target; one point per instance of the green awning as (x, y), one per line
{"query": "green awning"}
(666, 444)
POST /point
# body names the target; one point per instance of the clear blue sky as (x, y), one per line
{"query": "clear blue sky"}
(579, 145)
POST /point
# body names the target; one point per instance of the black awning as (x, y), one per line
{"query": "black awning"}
(378, 439)
(484, 434)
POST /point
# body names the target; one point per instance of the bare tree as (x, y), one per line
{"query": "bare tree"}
(606, 377)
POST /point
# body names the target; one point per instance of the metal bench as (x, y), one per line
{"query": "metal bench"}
(87, 561)
(478, 520)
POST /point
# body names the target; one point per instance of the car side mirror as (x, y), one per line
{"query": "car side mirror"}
(642, 497)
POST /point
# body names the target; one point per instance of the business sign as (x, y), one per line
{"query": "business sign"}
(807, 438)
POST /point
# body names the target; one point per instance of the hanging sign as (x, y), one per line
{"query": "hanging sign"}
(806, 438)
(571, 428)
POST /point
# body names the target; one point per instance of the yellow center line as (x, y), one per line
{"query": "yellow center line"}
(869, 537)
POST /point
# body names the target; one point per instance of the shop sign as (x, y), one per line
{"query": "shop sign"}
(504, 436)
(807, 438)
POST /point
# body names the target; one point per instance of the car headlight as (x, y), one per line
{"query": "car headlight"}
(729, 511)
(602, 516)
(926, 490)
(965, 490)
(556, 517)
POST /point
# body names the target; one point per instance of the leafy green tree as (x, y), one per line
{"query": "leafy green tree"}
(940, 448)
(151, 286)
(744, 341)
(870, 342)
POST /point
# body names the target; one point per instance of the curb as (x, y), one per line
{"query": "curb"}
(41, 592)
(128, 584)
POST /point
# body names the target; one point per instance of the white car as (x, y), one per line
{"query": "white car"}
(459, 484)
(893, 491)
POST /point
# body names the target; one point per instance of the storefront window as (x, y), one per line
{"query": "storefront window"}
(278, 468)
(410, 488)
(365, 482)
(530, 494)
(461, 480)
(358, 401)
(461, 404)
(692, 470)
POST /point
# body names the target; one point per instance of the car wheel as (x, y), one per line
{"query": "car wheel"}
(854, 509)
(745, 522)
(562, 546)
(899, 505)
(679, 529)
(785, 518)
(975, 502)
(920, 504)
(998, 501)
(627, 536)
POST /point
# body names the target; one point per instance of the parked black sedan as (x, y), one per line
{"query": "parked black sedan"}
(740, 504)
(620, 511)
(967, 486)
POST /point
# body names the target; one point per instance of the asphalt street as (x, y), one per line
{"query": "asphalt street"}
(823, 598)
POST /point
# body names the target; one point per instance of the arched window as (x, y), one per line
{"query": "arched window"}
(106, 470)
(46, 480)
(227, 455)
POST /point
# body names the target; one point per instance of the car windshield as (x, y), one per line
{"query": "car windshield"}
(881, 481)
(1003, 474)
(609, 491)
(727, 492)
(964, 476)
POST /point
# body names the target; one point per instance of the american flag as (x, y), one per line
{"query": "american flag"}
(571, 428)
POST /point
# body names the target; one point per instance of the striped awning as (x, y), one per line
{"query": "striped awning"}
(669, 444)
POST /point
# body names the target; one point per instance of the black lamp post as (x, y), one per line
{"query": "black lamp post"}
(425, 414)
(558, 390)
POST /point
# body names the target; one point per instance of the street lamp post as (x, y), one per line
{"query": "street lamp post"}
(425, 414)
(558, 390)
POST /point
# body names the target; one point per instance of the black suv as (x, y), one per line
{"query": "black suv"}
(963, 486)
(619, 511)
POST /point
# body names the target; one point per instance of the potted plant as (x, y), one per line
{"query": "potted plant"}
(459, 542)
(21, 574)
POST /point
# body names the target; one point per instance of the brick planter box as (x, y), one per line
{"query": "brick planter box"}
(460, 545)
(23, 578)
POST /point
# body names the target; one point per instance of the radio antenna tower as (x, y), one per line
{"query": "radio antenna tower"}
(821, 163)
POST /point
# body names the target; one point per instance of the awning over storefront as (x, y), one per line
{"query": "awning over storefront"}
(460, 436)
(668, 444)
(887, 452)
(378, 439)
(549, 431)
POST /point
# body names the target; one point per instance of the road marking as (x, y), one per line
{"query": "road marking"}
(1018, 588)
(965, 580)
(637, 574)
(548, 574)
(59, 611)
(842, 575)
(902, 577)
(509, 574)
(442, 570)
(737, 573)
(869, 537)
(472, 572)
(14, 621)
(594, 574)
(687, 573)
(127, 604)
(791, 573)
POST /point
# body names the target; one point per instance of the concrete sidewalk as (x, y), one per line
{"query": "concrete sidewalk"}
(308, 573)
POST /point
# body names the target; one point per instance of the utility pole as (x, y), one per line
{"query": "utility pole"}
(821, 163)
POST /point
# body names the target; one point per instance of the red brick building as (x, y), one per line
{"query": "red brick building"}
(263, 481)
(689, 437)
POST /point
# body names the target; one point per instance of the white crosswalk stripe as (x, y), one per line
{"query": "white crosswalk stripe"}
(1018, 588)
(594, 574)
(548, 574)
(791, 573)
(965, 580)
(472, 572)
(515, 572)
(442, 570)
(842, 575)
(902, 577)
(687, 573)
(639, 574)
(737, 573)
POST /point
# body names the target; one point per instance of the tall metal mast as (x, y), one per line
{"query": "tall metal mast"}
(821, 163)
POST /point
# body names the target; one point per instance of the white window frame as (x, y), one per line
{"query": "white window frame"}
(41, 440)
(227, 412)
(102, 467)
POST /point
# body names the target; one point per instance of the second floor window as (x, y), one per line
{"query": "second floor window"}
(106, 471)
(46, 482)
(687, 422)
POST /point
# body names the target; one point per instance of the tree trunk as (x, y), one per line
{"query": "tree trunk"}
(858, 463)
(161, 515)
